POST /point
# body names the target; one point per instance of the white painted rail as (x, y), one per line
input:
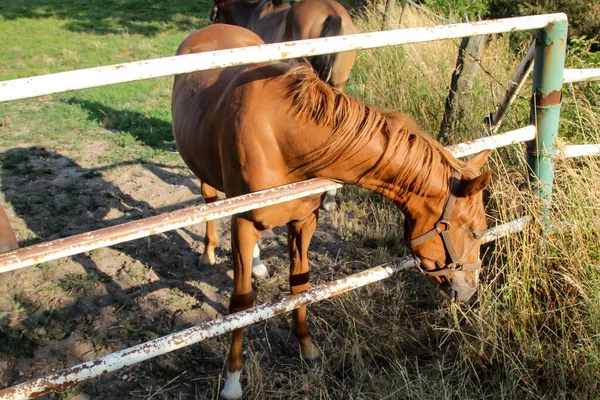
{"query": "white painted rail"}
(493, 142)
(160, 67)
(178, 340)
(580, 150)
(55, 249)
(581, 75)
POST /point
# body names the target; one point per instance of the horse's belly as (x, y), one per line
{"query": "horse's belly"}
(280, 214)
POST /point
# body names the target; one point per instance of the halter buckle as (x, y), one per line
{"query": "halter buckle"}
(213, 16)
(444, 222)
(456, 266)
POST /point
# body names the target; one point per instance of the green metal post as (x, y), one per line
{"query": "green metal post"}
(551, 45)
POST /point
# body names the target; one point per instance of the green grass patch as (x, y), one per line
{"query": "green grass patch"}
(52, 36)
(533, 331)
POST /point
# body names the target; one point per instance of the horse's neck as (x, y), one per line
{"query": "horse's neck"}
(241, 14)
(268, 21)
(394, 174)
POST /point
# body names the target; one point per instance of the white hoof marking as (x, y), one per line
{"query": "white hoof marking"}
(329, 203)
(232, 389)
(206, 260)
(259, 271)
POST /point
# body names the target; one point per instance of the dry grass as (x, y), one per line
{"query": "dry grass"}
(415, 78)
(533, 331)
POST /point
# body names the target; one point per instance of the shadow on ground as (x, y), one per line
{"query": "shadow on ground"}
(150, 131)
(61, 313)
(142, 17)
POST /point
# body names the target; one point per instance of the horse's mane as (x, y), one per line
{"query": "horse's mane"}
(354, 124)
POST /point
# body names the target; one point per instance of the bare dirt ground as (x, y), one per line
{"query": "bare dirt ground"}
(62, 313)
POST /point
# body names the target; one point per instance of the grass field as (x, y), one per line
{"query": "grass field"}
(533, 331)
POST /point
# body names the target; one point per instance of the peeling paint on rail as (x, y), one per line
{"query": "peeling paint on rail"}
(160, 67)
(76, 244)
(174, 341)
(48, 251)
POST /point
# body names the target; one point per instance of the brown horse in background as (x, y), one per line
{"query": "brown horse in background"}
(275, 21)
(249, 128)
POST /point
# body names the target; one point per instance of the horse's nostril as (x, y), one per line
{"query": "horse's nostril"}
(447, 291)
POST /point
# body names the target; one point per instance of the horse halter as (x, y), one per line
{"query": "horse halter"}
(442, 228)
(214, 14)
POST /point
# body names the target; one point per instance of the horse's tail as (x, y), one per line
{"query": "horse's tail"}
(323, 64)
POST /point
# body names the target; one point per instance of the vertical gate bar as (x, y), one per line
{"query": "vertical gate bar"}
(551, 44)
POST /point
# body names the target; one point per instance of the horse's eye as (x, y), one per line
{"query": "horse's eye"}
(477, 235)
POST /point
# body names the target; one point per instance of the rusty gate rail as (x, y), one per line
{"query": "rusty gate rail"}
(208, 329)
(27, 256)
(52, 250)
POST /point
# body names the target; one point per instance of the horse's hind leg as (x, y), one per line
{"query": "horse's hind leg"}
(210, 238)
(342, 65)
(299, 236)
(243, 238)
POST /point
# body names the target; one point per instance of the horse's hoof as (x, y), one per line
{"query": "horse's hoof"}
(231, 394)
(259, 271)
(310, 354)
(328, 203)
(206, 260)
(232, 389)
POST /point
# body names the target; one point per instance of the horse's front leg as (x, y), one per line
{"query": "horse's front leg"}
(299, 235)
(243, 239)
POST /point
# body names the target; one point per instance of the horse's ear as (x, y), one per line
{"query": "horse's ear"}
(479, 159)
(469, 187)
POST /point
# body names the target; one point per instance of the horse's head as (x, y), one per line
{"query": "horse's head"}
(233, 12)
(444, 229)
(221, 12)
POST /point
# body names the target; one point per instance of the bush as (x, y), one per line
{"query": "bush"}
(584, 15)
(460, 10)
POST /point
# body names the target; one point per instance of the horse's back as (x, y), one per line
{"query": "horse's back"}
(310, 19)
(218, 37)
(213, 109)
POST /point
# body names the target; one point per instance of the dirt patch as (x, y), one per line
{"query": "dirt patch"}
(71, 310)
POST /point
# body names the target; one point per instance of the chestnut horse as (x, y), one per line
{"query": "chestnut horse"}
(275, 21)
(249, 128)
